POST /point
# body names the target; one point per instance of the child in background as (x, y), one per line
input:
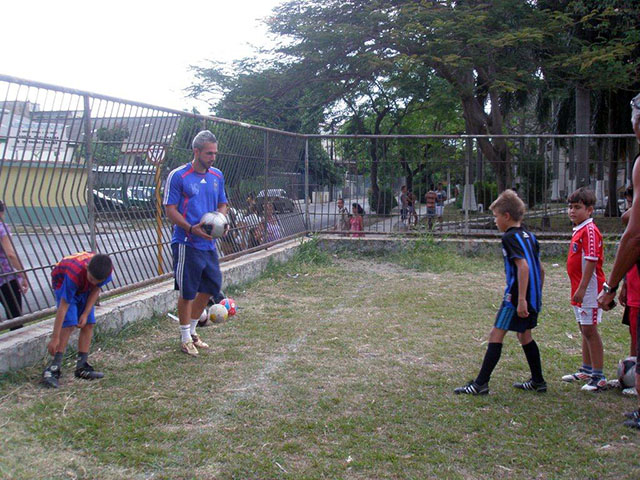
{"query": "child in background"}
(356, 222)
(584, 267)
(629, 296)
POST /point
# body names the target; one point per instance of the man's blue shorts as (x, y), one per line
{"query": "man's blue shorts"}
(195, 271)
(76, 308)
(507, 319)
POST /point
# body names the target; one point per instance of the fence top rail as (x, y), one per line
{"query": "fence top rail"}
(470, 136)
(73, 91)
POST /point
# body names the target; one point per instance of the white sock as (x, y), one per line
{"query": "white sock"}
(194, 324)
(185, 333)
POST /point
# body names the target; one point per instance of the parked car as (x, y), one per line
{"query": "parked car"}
(278, 197)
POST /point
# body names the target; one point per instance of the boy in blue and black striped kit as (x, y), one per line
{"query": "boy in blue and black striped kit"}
(522, 300)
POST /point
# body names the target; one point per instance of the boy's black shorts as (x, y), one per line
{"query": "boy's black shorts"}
(507, 319)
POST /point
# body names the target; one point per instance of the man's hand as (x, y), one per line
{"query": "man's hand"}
(523, 310)
(606, 300)
(198, 231)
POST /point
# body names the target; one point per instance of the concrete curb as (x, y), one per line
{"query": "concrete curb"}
(466, 246)
(28, 346)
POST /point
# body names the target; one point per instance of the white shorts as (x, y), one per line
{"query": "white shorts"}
(439, 210)
(588, 316)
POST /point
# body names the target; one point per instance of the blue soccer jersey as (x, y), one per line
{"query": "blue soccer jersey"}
(518, 243)
(194, 194)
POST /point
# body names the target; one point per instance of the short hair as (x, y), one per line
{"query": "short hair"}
(509, 202)
(205, 136)
(100, 266)
(583, 195)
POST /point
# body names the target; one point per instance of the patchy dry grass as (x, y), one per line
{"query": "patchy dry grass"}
(333, 368)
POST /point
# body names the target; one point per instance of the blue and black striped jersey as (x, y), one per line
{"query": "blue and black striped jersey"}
(519, 243)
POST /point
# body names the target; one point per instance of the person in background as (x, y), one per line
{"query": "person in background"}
(12, 285)
(343, 224)
(356, 221)
(274, 230)
(430, 199)
(441, 196)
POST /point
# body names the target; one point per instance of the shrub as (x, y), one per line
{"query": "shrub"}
(383, 202)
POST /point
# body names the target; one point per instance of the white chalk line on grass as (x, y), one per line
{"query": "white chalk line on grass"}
(258, 384)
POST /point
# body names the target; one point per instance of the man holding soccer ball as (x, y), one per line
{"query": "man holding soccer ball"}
(191, 191)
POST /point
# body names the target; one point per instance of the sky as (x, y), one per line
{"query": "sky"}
(137, 50)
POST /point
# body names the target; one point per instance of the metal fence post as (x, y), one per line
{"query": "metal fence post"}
(266, 185)
(88, 155)
(306, 183)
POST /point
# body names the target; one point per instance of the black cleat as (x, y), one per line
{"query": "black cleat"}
(635, 415)
(88, 373)
(531, 385)
(50, 376)
(472, 388)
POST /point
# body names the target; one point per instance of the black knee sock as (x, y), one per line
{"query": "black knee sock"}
(57, 359)
(489, 363)
(82, 359)
(532, 353)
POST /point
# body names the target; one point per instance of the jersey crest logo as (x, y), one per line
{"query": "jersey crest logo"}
(574, 246)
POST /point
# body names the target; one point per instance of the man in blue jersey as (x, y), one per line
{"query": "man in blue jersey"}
(191, 191)
(522, 300)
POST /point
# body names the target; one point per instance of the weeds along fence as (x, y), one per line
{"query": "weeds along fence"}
(81, 171)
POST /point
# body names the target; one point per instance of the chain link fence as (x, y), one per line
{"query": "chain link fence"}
(451, 180)
(80, 171)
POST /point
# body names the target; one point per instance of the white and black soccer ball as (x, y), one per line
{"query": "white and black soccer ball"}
(214, 223)
(627, 372)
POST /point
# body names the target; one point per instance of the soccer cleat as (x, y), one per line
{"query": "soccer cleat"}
(579, 376)
(87, 372)
(50, 376)
(632, 423)
(595, 385)
(635, 415)
(197, 341)
(631, 391)
(531, 385)
(472, 388)
(190, 349)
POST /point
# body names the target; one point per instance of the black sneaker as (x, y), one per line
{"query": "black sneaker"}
(635, 415)
(531, 385)
(88, 373)
(472, 388)
(632, 423)
(50, 376)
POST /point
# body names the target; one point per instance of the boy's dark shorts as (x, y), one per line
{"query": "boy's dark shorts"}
(507, 319)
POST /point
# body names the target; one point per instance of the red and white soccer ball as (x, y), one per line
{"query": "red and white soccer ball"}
(230, 305)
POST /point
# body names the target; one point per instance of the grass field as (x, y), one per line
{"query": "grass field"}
(335, 367)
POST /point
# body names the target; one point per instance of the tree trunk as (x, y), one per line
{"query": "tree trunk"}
(583, 116)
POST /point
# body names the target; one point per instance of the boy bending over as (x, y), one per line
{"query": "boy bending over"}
(76, 280)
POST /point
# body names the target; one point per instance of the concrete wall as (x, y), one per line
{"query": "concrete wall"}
(28, 346)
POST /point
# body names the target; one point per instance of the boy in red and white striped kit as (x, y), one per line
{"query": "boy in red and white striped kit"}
(584, 266)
